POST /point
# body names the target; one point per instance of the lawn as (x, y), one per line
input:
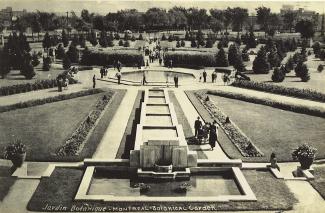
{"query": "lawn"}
(273, 194)
(128, 139)
(316, 82)
(319, 182)
(274, 130)
(44, 128)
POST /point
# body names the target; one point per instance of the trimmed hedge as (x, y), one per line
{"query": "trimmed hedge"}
(37, 102)
(281, 90)
(38, 85)
(237, 137)
(271, 103)
(73, 145)
(190, 58)
(126, 57)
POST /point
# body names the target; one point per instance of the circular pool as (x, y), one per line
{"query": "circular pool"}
(157, 76)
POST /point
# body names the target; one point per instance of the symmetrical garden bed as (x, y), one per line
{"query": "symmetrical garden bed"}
(74, 144)
(239, 139)
(190, 59)
(282, 90)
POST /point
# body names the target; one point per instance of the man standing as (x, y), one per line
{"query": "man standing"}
(197, 126)
(94, 81)
(204, 76)
(176, 81)
(118, 76)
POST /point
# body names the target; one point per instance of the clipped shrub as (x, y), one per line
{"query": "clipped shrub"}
(121, 43)
(221, 59)
(260, 64)
(193, 43)
(178, 44)
(126, 43)
(35, 61)
(133, 38)
(163, 37)
(320, 68)
(278, 75)
(28, 71)
(171, 38)
(190, 59)
(117, 36)
(126, 57)
(209, 43)
(140, 37)
(47, 63)
(289, 65)
(245, 55)
(60, 52)
(66, 63)
(73, 54)
(182, 43)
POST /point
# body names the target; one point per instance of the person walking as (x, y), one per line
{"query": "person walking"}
(176, 81)
(204, 76)
(197, 126)
(118, 76)
(213, 76)
(94, 81)
(102, 72)
(119, 66)
(213, 135)
(144, 78)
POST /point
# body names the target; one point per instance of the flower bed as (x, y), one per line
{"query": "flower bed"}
(74, 144)
(237, 137)
(104, 58)
(32, 103)
(276, 104)
(190, 58)
(281, 90)
(38, 85)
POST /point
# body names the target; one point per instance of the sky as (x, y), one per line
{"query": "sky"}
(106, 6)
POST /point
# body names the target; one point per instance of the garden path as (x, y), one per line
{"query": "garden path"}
(111, 140)
(191, 115)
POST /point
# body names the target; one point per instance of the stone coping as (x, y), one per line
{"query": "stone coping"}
(247, 193)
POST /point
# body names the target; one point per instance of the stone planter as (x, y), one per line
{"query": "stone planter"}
(18, 159)
(306, 163)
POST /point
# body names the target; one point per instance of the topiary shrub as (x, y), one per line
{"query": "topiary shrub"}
(209, 43)
(171, 38)
(28, 70)
(35, 60)
(221, 59)
(121, 43)
(163, 37)
(193, 43)
(245, 55)
(182, 43)
(320, 68)
(260, 64)
(117, 36)
(278, 75)
(73, 54)
(316, 48)
(60, 52)
(126, 43)
(140, 37)
(178, 44)
(66, 63)
(47, 63)
(302, 72)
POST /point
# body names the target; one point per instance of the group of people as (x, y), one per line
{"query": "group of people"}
(103, 71)
(204, 75)
(207, 132)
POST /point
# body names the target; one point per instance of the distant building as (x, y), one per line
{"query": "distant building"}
(7, 14)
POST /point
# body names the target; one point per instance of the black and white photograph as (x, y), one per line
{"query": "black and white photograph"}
(162, 106)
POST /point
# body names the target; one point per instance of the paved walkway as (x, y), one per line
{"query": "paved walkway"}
(191, 115)
(110, 143)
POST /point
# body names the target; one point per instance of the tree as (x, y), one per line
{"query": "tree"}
(120, 43)
(302, 71)
(239, 17)
(82, 41)
(140, 37)
(238, 64)
(251, 41)
(233, 53)
(103, 39)
(221, 59)
(65, 39)
(73, 54)
(289, 65)
(5, 61)
(66, 62)
(187, 36)
(273, 59)
(178, 44)
(193, 43)
(245, 55)
(209, 43)
(163, 37)
(278, 75)
(260, 64)
(263, 15)
(289, 19)
(305, 28)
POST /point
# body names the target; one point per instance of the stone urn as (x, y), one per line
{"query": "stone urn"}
(18, 159)
(306, 162)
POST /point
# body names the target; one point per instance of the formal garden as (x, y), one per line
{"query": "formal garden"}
(73, 124)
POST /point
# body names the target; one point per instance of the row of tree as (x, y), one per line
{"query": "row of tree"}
(160, 19)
